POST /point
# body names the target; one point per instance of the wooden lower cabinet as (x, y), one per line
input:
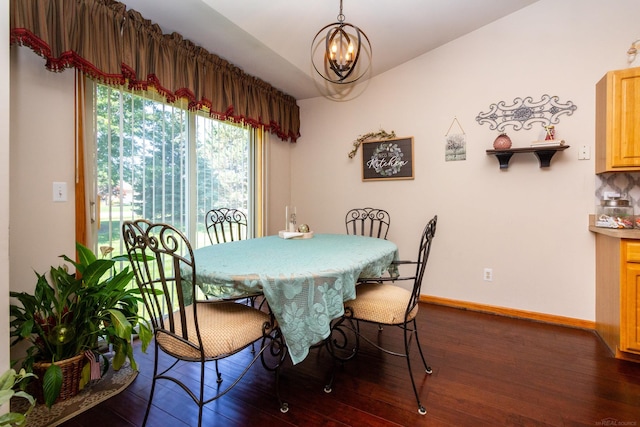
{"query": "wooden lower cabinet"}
(630, 306)
(618, 294)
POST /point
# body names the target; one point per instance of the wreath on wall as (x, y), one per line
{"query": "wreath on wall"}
(382, 134)
(387, 150)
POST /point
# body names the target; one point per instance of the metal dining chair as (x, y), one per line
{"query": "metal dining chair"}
(370, 222)
(380, 302)
(189, 329)
(226, 225)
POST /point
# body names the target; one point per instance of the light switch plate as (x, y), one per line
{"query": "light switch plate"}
(59, 191)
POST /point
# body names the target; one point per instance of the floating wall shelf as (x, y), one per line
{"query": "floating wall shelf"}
(544, 154)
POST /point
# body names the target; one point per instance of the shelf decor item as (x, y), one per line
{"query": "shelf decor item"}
(69, 315)
(502, 142)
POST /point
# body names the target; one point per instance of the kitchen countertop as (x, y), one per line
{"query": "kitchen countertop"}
(623, 233)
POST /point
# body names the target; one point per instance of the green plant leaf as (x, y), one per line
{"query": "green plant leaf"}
(27, 328)
(145, 333)
(105, 365)
(86, 375)
(94, 271)
(134, 365)
(122, 326)
(8, 379)
(5, 396)
(12, 418)
(25, 395)
(51, 384)
(120, 356)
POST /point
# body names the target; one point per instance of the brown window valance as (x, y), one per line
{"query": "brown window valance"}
(118, 46)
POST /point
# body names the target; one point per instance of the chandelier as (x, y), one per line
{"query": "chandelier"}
(337, 59)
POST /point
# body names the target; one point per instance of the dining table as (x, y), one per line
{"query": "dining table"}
(305, 281)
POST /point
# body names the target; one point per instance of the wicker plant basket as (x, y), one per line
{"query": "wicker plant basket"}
(71, 375)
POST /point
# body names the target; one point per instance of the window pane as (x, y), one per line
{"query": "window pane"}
(147, 154)
(222, 174)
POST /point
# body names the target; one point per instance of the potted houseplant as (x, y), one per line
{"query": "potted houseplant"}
(9, 388)
(71, 313)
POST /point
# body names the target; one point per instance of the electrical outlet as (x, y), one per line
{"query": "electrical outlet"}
(488, 274)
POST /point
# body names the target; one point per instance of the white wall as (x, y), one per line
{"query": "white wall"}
(5, 116)
(41, 152)
(527, 223)
(278, 183)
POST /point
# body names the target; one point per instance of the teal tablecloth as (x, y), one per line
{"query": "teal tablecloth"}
(305, 281)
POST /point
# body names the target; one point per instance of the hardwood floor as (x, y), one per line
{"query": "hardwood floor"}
(487, 371)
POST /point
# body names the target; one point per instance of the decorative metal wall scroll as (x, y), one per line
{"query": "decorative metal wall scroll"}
(524, 112)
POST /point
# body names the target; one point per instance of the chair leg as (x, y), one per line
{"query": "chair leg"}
(153, 385)
(201, 391)
(427, 368)
(421, 409)
(218, 374)
(276, 349)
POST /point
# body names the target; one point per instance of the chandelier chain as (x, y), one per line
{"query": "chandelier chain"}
(341, 15)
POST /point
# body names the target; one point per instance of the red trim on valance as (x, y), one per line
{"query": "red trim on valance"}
(275, 111)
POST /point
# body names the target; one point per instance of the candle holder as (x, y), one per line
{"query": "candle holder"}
(291, 219)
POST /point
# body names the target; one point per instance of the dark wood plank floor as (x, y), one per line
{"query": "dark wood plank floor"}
(487, 371)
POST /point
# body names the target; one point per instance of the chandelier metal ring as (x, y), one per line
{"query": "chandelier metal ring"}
(338, 61)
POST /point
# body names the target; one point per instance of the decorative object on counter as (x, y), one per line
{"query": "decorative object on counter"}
(303, 228)
(291, 219)
(456, 144)
(382, 134)
(524, 112)
(502, 142)
(633, 59)
(615, 213)
(341, 52)
(387, 160)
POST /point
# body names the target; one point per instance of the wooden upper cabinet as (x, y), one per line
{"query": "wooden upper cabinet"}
(618, 121)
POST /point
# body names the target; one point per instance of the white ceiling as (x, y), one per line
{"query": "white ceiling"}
(271, 39)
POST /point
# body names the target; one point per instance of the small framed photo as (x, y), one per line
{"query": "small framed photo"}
(387, 159)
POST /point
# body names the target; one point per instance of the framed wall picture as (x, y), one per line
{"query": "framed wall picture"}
(387, 159)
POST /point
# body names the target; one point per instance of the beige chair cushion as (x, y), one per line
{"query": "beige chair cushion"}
(381, 303)
(224, 329)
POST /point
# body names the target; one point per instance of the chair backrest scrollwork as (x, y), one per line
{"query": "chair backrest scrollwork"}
(370, 222)
(226, 225)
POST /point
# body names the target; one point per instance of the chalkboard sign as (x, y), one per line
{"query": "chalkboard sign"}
(387, 159)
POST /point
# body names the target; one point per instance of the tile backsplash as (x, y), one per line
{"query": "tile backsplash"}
(626, 184)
